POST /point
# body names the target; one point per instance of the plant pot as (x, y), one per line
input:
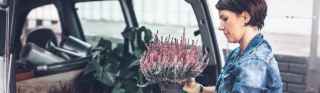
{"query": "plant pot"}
(169, 87)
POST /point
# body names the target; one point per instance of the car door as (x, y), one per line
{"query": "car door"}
(209, 38)
(5, 61)
(2, 39)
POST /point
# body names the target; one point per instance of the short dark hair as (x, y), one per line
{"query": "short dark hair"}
(257, 9)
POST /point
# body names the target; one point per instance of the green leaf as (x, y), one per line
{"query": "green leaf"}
(127, 74)
(90, 68)
(131, 86)
(113, 68)
(106, 44)
(105, 77)
(117, 88)
(147, 34)
(134, 64)
(126, 61)
(140, 90)
(138, 52)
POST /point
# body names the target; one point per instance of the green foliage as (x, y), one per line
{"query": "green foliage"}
(114, 69)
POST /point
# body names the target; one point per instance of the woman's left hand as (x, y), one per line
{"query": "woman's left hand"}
(191, 86)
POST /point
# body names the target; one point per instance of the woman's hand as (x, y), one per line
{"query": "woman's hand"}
(191, 86)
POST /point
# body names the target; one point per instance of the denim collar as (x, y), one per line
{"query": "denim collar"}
(254, 43)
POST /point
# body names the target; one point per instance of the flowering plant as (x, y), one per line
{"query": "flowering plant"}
(172, 60)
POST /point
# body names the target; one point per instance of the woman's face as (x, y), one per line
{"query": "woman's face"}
(232, 25)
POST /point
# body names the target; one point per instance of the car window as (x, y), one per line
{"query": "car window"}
(166, 18)
(42, 24)
(101, 19)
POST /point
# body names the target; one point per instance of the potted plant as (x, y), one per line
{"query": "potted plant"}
(170, 61)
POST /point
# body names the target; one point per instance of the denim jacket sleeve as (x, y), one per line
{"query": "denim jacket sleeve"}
(254, 76)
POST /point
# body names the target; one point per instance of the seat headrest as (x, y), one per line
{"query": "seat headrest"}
(42, 36)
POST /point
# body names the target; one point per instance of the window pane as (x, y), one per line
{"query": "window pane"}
(101, 19)
(167, 17)
(41, 17)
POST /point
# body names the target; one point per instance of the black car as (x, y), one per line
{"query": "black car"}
(71, 48)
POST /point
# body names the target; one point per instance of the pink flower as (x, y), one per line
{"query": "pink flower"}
(172, 60)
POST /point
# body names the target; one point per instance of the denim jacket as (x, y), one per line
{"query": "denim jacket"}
(254, 71)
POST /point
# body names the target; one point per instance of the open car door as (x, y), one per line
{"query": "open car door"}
(6, 84)
(208, 36)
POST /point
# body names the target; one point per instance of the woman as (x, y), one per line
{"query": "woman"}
(250, 68)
